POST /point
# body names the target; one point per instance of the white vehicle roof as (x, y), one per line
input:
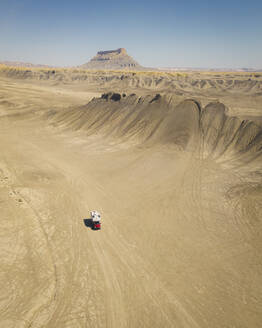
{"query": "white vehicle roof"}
(95, 213)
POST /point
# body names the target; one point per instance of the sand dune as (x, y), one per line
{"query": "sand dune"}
(177, 178)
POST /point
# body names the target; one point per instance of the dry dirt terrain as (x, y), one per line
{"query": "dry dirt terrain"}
(176, 172)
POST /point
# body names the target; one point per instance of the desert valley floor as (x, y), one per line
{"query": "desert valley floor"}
(177, 177)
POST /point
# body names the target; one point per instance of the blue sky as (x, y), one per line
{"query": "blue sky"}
(185, 33)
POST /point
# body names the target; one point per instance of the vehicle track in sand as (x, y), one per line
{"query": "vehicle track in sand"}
(180, 240)
(116, 258)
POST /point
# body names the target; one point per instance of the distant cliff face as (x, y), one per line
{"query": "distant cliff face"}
(120, 51)
(112, 59)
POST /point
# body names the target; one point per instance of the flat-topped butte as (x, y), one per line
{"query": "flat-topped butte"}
(112, 59)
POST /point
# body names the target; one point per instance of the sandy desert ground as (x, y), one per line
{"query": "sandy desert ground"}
(175, 168)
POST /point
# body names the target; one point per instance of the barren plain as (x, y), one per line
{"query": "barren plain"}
(174, 164)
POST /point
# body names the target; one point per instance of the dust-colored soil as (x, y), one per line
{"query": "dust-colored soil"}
(180, 191)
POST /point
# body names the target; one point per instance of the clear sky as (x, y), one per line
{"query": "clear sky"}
(157, 33)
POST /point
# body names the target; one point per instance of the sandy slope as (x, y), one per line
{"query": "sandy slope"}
(181, 197)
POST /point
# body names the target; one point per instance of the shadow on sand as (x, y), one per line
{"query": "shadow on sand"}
(88, 223)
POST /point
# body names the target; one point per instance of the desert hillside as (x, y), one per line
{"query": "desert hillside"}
(240, 92)
(173, 161)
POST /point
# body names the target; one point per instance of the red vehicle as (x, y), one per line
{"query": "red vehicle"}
(96, 217)
(96, 225)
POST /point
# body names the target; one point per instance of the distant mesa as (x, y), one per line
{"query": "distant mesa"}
(112, 59)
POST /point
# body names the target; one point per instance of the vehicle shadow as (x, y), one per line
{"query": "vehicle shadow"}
(88, 223)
